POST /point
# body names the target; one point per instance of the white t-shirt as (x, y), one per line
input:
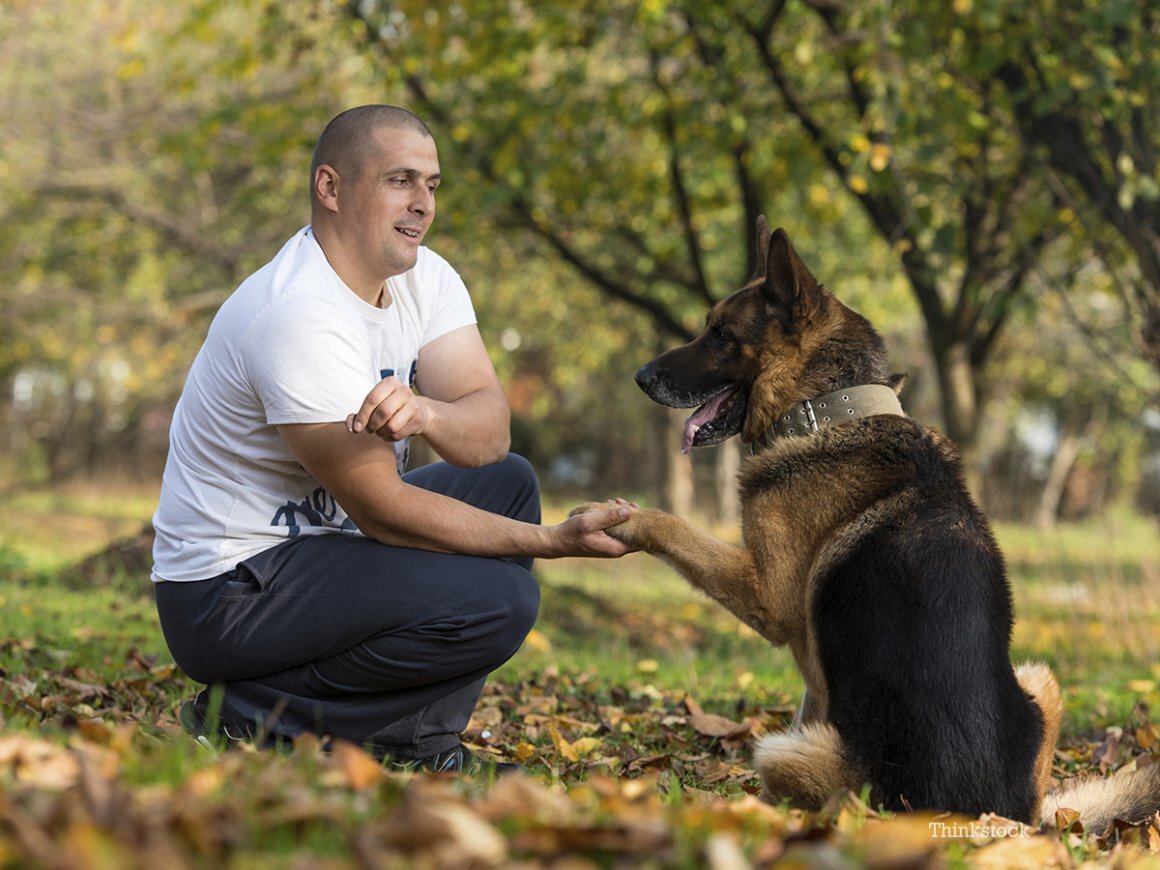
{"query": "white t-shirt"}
(293, 344)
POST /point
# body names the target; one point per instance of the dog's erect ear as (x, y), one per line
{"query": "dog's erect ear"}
(762, 247)
(790, 289)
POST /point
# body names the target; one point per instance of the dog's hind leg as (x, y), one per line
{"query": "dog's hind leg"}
(1037, 680)
(808, 766)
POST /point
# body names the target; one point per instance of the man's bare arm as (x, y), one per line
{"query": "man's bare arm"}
(360, 473)
(461, 410)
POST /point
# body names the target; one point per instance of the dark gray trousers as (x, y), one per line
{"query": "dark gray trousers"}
(342, 636)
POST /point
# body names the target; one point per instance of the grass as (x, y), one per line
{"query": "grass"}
(600, 704)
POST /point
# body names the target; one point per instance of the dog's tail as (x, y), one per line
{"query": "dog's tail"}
(1132, 797)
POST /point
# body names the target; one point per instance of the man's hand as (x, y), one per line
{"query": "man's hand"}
(585, 532)
(391, 411)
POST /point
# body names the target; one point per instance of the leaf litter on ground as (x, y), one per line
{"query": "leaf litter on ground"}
(615, 775)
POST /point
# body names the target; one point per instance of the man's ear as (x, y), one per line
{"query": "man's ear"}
(790, 289)
(326, 187)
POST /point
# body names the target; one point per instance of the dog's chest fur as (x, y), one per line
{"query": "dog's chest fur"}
(806, 502)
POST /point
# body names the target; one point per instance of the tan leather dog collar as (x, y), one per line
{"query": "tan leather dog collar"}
(830, 409)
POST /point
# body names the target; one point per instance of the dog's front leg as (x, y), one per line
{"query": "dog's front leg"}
(726, 572)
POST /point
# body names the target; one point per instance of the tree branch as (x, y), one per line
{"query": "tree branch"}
(680, 191)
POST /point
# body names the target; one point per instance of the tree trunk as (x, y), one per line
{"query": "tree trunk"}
(959, 394)
(678, 483)
(1062, 463)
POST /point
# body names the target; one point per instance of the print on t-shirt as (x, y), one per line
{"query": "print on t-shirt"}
(320, 508)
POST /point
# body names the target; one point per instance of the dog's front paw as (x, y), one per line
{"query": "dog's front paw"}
(630, 530)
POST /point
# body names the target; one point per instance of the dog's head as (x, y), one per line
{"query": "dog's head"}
(779, 339)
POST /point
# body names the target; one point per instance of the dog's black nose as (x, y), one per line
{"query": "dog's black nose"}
(646, 376)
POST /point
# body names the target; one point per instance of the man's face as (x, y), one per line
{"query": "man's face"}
(387, 209)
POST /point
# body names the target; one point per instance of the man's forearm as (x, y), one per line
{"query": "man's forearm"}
(431, 521)
(472, 431)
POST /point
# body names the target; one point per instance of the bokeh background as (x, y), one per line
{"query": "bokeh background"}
(978, 177)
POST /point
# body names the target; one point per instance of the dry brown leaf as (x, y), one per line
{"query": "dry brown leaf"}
(1021, 853)
(451, 832)
(1148, 736)
(1106, 753)
(359, 769)
(903, 841)
(712, 725)
(692, 706)
(39, 763)
(1065, 817)
(521, 797)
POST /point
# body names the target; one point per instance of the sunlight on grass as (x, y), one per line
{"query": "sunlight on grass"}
(1087, 598)
(52, 528)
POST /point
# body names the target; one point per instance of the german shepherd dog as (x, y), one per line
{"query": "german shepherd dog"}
(863, 552)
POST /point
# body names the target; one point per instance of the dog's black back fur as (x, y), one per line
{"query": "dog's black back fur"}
(913, 626)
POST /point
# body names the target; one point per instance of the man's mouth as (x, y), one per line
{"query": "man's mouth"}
(410, 233)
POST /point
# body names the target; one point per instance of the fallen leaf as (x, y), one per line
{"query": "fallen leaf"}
(358, 768)
(1021, 853)
(451, 832)
(903, 841)
(712, 725)
(563, 747)
(1106, 753)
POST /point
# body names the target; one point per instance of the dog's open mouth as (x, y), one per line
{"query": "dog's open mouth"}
(716, 420)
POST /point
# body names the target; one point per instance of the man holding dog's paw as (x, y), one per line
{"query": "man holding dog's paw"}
(298, 566)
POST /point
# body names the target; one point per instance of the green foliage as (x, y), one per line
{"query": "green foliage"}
(604, 164)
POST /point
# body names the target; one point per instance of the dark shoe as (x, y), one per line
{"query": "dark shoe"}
(459, 760)
(194, 724)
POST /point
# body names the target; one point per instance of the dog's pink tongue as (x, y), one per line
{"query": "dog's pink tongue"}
(701, 416)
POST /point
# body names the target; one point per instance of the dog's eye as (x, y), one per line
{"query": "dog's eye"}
(717, 338)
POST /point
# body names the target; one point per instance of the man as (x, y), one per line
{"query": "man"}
(297, 566)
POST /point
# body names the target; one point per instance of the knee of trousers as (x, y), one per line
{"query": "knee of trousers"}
(519, 609)
(521, 471)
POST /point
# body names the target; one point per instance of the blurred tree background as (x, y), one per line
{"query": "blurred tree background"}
(980, 178)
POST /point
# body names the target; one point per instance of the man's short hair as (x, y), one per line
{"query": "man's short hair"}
(346, 142)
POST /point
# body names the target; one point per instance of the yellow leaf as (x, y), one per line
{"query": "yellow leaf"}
(525, 752)
(1147, 736)
(1141, 686)
(904, 841)
(1022, 853)
(585, 745)
(857, 184)
(647, 666)
(538, 641)
(563, 747)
